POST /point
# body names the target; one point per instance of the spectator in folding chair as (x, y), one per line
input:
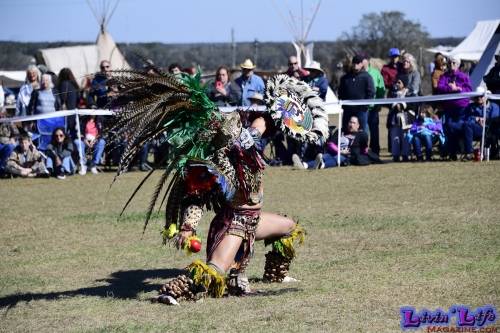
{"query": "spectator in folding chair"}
(92, 144)
(474, 123)
(59, 151)
(426, 129)
(45, 128)
(26, 160)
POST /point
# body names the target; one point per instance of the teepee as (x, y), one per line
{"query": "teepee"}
(84, 60)
(299, 27)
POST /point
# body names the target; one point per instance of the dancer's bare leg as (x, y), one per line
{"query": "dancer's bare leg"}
(223, 256)
(273, 225)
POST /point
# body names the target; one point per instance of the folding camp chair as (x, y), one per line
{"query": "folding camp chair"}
(45, 129)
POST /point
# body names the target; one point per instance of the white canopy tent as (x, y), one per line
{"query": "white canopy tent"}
(479, 46)
(10, 79)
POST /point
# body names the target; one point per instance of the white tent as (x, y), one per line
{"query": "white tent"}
(85, 59)
(479, 46)
(473, 46)
(11, 79)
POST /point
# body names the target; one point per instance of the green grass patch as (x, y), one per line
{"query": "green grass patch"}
(378, 238)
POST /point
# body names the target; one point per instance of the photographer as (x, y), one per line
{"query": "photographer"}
(222, 91)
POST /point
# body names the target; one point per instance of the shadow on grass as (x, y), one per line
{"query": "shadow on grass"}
(121, 285)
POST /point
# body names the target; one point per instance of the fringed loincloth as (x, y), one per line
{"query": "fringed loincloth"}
(239, 222)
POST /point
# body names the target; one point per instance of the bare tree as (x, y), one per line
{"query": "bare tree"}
(377, 33)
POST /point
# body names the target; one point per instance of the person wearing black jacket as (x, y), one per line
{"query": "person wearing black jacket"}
(492, 79)
(356, 84)
(59, 152)
(69, 95)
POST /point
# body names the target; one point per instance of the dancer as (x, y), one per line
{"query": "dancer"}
(215, 165)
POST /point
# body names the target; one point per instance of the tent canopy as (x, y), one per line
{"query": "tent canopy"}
(12, 79)
(473, 46)
(480, 46)
(84, 59)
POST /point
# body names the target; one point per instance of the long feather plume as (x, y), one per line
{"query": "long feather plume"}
(152, 105)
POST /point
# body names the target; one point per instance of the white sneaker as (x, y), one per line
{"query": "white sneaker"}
(297, 163)
(83, 170)
(318, 162)
(61, 177)
(94, 170)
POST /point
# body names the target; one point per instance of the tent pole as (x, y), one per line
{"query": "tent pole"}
(80, 143)
(339, 134)
(483, 125)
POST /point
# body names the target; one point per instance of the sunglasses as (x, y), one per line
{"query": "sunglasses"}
(292, 63)
(60, 135)
(104, 67)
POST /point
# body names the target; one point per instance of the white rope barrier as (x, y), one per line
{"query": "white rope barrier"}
(56, 114)
(385, 101)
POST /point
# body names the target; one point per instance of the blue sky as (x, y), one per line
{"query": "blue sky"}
(172, 21)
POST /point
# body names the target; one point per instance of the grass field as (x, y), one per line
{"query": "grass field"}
(379, 237)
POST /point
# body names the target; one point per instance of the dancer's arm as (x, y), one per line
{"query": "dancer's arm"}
(191, 218)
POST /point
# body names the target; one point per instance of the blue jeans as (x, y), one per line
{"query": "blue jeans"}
(417, 145)
(68, 165)
(373, 122)
(472, 130)
(399, 144)
(97, 153)
(5, 151)
(454, 130)
(329, 160)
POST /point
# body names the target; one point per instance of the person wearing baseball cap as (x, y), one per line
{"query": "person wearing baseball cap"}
(356, 84)
(249, 82)
(390, 70)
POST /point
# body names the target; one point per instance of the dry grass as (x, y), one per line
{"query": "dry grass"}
(379, 237)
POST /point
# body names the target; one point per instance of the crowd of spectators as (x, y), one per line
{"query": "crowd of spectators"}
(414, 130)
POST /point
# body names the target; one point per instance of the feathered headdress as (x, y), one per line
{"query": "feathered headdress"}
(175, 109)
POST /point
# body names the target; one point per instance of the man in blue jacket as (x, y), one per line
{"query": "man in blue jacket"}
(317, 79)
(474, 125)
(249, 82)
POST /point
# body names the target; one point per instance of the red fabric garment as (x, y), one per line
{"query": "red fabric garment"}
(389, 74)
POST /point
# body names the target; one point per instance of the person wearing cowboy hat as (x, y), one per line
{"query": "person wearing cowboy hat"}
(249, 82)
(317, 79)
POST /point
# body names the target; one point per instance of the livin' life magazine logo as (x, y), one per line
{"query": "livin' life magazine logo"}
(458, 318)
